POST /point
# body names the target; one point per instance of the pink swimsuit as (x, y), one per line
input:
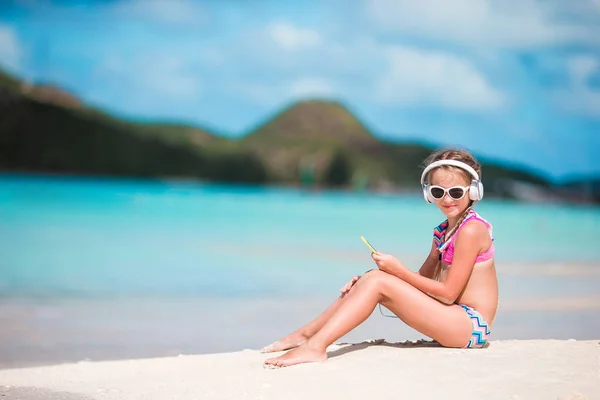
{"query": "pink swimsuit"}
(480, 328)
(447, 253)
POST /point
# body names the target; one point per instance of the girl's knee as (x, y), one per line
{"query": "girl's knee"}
(373, 272)
(384, 283)
(375, 279)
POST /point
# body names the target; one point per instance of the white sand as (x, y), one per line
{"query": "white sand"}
(533, 369)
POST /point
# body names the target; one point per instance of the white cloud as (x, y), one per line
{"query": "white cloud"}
(10, 49)
(151, 75)
(488, 23)
(273, 94)
(417, 77)
(309, 87)
(258, 93)
(290, 37)
(177, 12)
(581, 67)
(389, 75)
(583, 101)
(211, 55)
(579, 97)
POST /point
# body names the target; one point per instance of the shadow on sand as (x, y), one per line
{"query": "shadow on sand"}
(345, 348)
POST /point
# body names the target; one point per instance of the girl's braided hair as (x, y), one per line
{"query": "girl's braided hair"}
(449, 235)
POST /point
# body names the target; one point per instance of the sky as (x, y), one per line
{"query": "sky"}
(511, 80)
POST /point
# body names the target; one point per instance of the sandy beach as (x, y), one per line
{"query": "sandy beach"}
(375, 369)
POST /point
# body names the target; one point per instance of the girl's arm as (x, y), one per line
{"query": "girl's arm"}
(428, 268)
(469, 241)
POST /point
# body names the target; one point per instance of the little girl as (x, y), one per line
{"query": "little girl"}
(453, 297)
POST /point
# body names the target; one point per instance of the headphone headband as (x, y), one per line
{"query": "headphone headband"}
(454, 163)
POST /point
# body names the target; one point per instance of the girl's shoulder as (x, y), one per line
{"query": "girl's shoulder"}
(475, 216)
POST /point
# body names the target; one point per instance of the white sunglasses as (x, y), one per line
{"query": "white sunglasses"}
(455, 192)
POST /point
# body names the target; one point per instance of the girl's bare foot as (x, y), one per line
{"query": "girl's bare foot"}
(289, 342)
(301, 354)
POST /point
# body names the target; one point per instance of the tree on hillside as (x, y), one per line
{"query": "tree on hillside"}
(339, 171)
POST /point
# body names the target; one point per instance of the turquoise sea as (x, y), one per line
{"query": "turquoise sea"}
(115, 268)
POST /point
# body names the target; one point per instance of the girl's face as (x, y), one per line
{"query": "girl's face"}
(446, 179)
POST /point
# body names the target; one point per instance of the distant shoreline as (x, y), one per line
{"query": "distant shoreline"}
(173, 180)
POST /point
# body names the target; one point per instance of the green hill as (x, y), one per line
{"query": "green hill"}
(308, 136)
(314, 135)
(316, 143)
(37, 134)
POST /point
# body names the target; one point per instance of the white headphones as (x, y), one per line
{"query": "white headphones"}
(475, 189)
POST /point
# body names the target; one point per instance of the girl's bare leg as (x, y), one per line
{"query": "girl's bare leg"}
(449, 325)
(304, 333)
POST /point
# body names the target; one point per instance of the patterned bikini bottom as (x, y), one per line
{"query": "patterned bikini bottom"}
(481, 329)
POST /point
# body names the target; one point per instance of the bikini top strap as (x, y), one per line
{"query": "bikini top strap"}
(439, 232)
(473, 216)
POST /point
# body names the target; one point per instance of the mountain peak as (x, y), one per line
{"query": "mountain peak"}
(314, 119)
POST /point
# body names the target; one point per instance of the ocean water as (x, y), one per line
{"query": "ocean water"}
(112, 268)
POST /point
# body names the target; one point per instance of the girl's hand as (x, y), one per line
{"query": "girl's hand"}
(346, 288)
(390, 264)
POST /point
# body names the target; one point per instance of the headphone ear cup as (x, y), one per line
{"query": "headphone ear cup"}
(426, 195)
(476, 190)
(473, 191)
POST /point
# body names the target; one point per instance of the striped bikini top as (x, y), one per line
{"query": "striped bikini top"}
(446, 249)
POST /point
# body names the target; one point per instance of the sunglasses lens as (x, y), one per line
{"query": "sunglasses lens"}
(437, 193)
(456, 193)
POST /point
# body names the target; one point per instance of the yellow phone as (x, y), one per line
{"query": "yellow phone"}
(368, 244)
